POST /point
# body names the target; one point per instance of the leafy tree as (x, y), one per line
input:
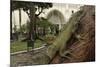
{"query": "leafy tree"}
(30, 8)
(45, 24)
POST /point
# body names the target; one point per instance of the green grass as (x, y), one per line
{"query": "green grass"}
(20, 46)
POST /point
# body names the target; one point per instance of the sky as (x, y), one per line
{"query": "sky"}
(65, 9)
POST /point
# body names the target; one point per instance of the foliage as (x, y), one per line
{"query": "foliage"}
(44, 23)
(27, 5)
(30, 8)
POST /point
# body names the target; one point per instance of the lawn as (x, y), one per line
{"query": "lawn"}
(20, 46)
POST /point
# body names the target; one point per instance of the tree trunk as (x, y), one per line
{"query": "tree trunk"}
(20, 20)
(31, 35)
(44, 33)
(11, 26)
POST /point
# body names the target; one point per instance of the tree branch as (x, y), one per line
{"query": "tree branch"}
(40, 12)
(28, 13)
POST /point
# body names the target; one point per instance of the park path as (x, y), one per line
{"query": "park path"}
(26, 58)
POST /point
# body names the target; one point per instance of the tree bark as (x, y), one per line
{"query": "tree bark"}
(31, 34)
(11, 26)
(20, 20)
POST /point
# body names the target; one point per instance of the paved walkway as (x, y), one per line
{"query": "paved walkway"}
(26, 58)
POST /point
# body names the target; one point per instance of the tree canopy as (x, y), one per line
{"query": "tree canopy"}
(26, 5)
